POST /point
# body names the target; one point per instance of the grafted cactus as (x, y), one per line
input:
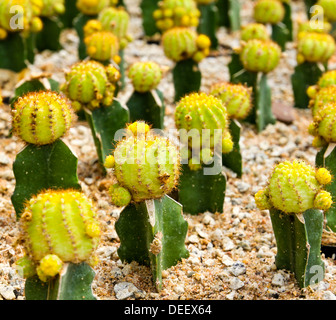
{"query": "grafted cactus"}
(151, 227)
(89, 84)
(295, 196)
(17, 31)
(203, 123)
(59, 229)
(313, 53)
(278, 14)
(41, 119)
(250, 65)
(92, 88)
(146, 102)
(186, 48)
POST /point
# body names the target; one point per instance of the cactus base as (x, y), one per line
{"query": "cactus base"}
(153, 233)
(148, 22)
(229, 14)
(49, 37)
(298, 239)
(73, 284)
(209, 22)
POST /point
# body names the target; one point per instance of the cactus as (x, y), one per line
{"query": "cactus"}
(329, 9)
(176, 13)
(49, 37)
(60, 234)
(254, 31)
(40, 119)
(148, 22)
(295, 196)
(314, 51)
(146, 102)
(91, 7)
(17, 42)
(92, 86)
(320, 98)
(151, 227)
(278, 14)
(238, 102)
(229, 14)
(208, 22)
(186, 48)
(203, 123)
(249, 65)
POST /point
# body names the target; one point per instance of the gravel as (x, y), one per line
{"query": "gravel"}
(232, 253)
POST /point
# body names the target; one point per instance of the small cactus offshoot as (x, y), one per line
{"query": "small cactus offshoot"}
(318, 99)
(42, 117)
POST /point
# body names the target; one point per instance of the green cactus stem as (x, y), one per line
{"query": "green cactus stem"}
(73, 284)
(49, 37)
(305, 75)
(79, 22)
(38, 168)
(153, 233)
(70, 13)
(298, 239)
(148, 21)
(229, 14)
(186, 77)
(208, 23)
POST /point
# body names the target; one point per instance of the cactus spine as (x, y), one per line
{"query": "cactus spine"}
(295, 197)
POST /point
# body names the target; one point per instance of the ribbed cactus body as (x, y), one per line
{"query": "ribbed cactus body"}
(41, 117)
(235, 97)
(198, 112)
(145, 76)
(324, 125)
(52, 8)
(179, 43)
(260, 56)
(102, 45)
(321, 98)
(329, 9)
(92, 7)
(176, 13)
(116, 20)
(314, 26)
(327, 79)
(294, 187)
(62, 224)
(30, 20)
(254, 31)
(147, 166)
(315, 47)
(268, 11)
(89, 83)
